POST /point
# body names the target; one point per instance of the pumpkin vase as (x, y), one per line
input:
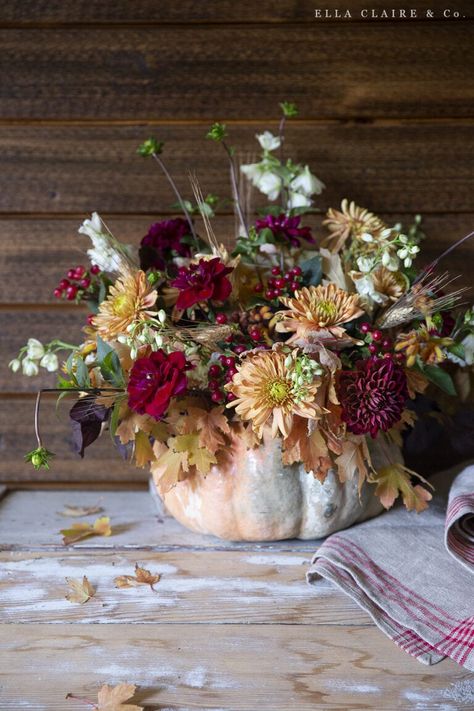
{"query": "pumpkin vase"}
(256, 498)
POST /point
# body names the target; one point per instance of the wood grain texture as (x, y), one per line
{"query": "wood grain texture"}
(102, 461)
(238, 667)
(393, 168)
(343, 71)
(204, 587)
(37, 252)
(66, 12)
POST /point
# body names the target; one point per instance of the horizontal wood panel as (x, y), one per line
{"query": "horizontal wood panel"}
(237, 587)
(37, 253)
(397, 168)
(101, 461)
(67, 12)
(238, 667)
(332, 71)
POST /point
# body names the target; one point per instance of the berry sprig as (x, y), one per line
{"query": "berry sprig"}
(378, 344)
(280, 284)
(219, 374)
(77, 281)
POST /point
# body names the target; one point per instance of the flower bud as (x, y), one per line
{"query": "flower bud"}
(15, 365)
(29, 367)
(35, 349)
(50, 362)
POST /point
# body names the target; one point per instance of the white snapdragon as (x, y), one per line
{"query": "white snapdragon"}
(34, 349)
(408, 250)
(268, 141)
(29, 367)
(298, 200)
(102, 252)
(270, 184)
(15, 365)
(50, 362)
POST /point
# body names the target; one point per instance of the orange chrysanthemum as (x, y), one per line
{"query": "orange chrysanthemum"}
(129, 301)
(390, 284)
(319, 311)
(267, 391)
(352, 221)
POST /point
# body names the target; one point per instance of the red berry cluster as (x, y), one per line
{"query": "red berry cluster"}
(281, 284)
(78, 280)
(378, 344)
(219, 374)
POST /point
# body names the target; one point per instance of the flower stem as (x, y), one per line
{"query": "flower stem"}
(235, 189)
(178, 195)
(281, 135)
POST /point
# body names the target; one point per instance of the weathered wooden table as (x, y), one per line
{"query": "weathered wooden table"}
(230, 626)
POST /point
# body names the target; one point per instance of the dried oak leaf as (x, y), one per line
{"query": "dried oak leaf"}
(76, 511)
(112, 698)
(81, 530)
(141, 577)
(81, 590)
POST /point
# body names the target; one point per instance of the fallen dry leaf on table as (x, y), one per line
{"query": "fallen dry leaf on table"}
(111, 698)
(79, 531)
(73, 511)
(81, 590)
(141, 577)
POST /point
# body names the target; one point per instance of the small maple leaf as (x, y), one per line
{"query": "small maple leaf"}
(76, 511)
(141, 577)
(212, 425)
(199, 457)
(393, 480)
(81, 590)
(170, 466)
(81, 530)
(111, 698)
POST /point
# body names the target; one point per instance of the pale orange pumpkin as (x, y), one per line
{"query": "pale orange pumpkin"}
(256, 498)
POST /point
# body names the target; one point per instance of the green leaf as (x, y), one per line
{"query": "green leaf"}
(312, 270)
(112, 370)
(82, 373)
(217, 132)
(289, 109)
(457, 349)
(103, 349)
(441, 378)
(114, 418)
(149, 147)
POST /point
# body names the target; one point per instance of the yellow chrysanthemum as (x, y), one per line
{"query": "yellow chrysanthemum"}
(430, 348)
(319, 311)
(351, 221)
(129, 301)
(268, 390)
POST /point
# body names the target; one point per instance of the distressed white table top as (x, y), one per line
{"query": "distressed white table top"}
(230, 626)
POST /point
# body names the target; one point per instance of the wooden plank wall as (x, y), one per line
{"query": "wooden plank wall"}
(386, 117)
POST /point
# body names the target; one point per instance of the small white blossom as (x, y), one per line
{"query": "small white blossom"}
(29, 367)
(390, 261)
(366, 288)
(15, 365)
(268, 141)
(269, 184)
(102, 253)
(50, 362)
(307, 183)
(162, 316)
(34, 349)
(365, 264)
(298, 200)
(367, 237)
(468, 343)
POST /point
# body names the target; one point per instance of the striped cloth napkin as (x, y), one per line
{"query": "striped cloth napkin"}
(413, 573)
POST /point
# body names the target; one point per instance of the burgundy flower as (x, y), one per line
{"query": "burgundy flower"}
(372, 396)
(286, 228)
(202, 281)
(164, 238)
(154, 380)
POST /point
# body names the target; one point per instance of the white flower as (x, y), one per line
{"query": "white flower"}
(50, 362)
(298, 200)
(162, 316)
(34, 349)
(251, 171)
(15, 365)
(307, 183)
(102, 253)
(29, 367)
(268, 141)
(365, 264)
(269, 184)
(390, 261)
(268, 248)
(468, 343)
(365, 287)
(408, 251)
(367, 237)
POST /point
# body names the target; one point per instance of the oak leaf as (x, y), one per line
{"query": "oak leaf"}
(81, 590)
(81, 530)
(76, 511)
(142, 577)
(211, 425)
(395, 479)
(111, 698)
(198, 456)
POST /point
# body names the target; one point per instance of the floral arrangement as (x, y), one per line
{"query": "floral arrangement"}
(322, 341)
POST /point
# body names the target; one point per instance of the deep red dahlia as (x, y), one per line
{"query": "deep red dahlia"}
(161, 241)
(372, 396)
(202, 281)
(154, 380)
(286, 228)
